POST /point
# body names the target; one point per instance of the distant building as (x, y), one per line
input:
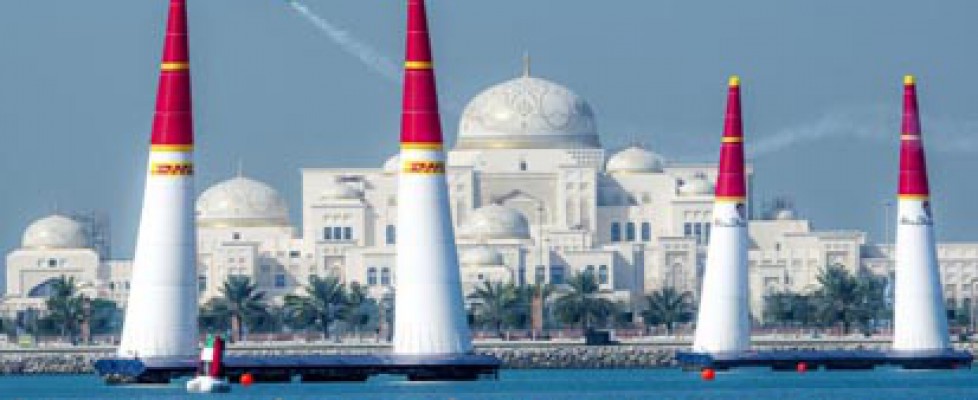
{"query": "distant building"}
(535, 199)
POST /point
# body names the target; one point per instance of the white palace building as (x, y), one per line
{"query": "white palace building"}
(535, 198)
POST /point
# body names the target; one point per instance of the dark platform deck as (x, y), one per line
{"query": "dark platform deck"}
(311, 368)
(788, 360)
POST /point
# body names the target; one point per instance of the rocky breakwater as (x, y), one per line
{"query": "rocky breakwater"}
(47, 363)
(582, 357)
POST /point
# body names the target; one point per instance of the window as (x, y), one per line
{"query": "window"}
(52, 263)
(615, 232)
(391, 234)
(280, 280)
(603, 274)
(698, 232)
(236, 236)
(706, 232)
(372, 276)
(521, 275)
(687, 229)
(630, 231)
(347, 233)
(328, 233)
(522, 165)
(589, 270)
(557, 274)
(540, 275)
(385, 276)
(646, 232)
(295, 254)
(337, 233)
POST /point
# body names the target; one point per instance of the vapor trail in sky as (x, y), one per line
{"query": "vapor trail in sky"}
(370, 57)
(877, 123)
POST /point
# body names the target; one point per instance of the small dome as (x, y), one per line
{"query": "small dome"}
(527, 113)
(242, 202)
(634, 160)
(497, 222)
(55, 232)
(340, 191)
(785, 214)
(482, 255)
(393, 164)
(697, 186)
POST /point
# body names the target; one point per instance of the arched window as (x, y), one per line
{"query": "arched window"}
(391, 234)
(630, 232)
(385, 276)
(603, 274)
(615, 232)
(372, 276)
(646, 232)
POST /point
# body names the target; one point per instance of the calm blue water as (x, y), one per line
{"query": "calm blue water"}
(544, 385)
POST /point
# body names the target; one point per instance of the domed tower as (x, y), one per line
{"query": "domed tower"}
(527, 124)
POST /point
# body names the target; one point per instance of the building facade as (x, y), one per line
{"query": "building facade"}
(535, 198)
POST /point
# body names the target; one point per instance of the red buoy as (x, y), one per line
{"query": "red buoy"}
(708, 374)
(802, 368)
(247, 379)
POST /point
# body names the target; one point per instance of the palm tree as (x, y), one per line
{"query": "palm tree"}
(65, 306)
(668, 306)
(240, 303)
(496, 304)
(361, 310)
(324, 301)
(847, 300)
(784, 308)
(582, 303)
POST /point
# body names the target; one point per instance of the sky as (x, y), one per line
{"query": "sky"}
(275, 93)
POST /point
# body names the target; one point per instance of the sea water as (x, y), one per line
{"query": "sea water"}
(664, 384)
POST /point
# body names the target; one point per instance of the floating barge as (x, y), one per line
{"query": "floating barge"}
(791, 360)
(306, 369)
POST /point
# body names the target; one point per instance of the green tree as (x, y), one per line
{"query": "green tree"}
(65, 306)
(240, 303)
(496, 304)
(789, 308)
(361, 311)
(324, 301)
(667, 306)
(581, 302)
(846, 300)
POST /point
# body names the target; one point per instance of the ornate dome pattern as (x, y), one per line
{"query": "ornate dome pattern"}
(635, 160)
(527, 112)
(241, 202)
(497, 222)
(55, 232)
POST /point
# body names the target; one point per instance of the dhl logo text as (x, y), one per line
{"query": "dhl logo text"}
(172, 169)
(424, 167)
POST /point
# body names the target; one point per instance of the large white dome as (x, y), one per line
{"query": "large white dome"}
(55, 232)
(241, 202)
(527, 113)
(634, 160)
(496, 222)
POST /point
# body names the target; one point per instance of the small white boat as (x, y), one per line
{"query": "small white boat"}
(207, 384)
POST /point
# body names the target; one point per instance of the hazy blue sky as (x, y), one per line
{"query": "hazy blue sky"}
(822, 92)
